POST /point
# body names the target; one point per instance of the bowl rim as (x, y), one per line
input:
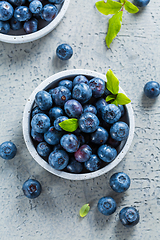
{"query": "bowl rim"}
(40, 33)
(26, 127)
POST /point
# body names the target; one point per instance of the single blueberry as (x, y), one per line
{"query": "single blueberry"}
(31, 26)
(70, 142)
(88, 122)
(4, 27)
(6, 11)
(58, 159)
(66, 83)
(43, 99)
(119, 131)
(98, 86)
(100, 136)
(31, 188)
(107, 205)
(111, 113)
(73, 108)
(56, 1)
(100, 104)
(82, 93)
(22, 13)
(40, 123)
(129, 216)
(74, 166)
(89, 108)
(93, 163)
(43, 149)
(35, 6)
(60, 95)
(141, 3)
(55, 112)
(152, 89)
(52, 136)
(80, 79)
(83, 153)
(39, 137)
(107, 153)
(64, 51)
(8, 150)
(49, 12)
(59, 120)
(119, 182)
(15, 24)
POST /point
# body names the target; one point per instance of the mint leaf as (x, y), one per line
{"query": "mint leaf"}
(110, 97)
(122, 1)
(122, 99)
(69, 125)
(112, 82)
(115, 23)
(84, 210)
(130, 7)
(115, 102)
(109, 7)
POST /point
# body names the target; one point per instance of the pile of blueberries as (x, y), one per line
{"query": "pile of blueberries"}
(100, 130)
(26, 14)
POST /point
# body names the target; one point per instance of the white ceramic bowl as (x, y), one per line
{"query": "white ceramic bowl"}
(51, 82)
(45, 28)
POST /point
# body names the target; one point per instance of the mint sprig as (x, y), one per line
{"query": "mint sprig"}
(69, 125)
(113, 86)
(115, 22)
(84, 210)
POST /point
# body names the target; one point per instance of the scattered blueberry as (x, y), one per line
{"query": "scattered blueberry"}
(40, 123)
(74, 166)
(64, 51)
(52, 136)
(119, 182)
(98, 86)
(129, 216)
(80, 79)
(8, 150)
(58, 159)
(4, 27)
(93, 163)
(66, 83)
(82, 92)
(59, 120)
(141, 3)
(88, 122)
(111, 113)
(73, 108)
(6, 11)
(31, 188)
(43, 149)
(152, 89)
(69, 142)
(49, 12)
(83, 153)
(107, 153)
(119, 131)
(100, 136)
(107, 205)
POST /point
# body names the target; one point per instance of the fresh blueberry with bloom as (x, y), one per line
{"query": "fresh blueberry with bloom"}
(6, 11)
(35, 6)
(43, 99)
(100, 136)
(8, 150)
(58, 159)
(82, 93)
(40, 123)
(64, 51)
(88, 122)
(73, 108)
(31, 26)
(107, 205)
(66, 83)
(15, 24)
(56, 1)
(80, 79)
(107, 153)
(31, 188)
(111, 113)
(39, 137)
(4, 27)
(89, 108)
(119, 131)
(74, 166)
(70, 142)
(59, 120)
(100, 104)
(36, 110)
(119, 182)
(83, 153)
(43, 149)
(152, 89)
(129, 216)
(60, 95)
(98, 86)
(141, 3)
(55, 112)
(22, 13)
(49, 12)
(93, 163)
(52, 136)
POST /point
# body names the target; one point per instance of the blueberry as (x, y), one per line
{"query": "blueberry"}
(69, 142)
(59, 120)
(82, 93)
(15, 24)
(43, 149)
(4, 27)
(56, 1)
(58, 159)
(52, 136)
(107, 205)
(152, 89)
(93, 163)
(35, 6)
(119, 182)
(6, 11)
(119, 131)
(129, 216)
(83, 153)
(31, 188)
(73, 108)
(31, 26)
(37, 136)
(22, 13)
(107, 153)
(49, 12)
(111, 113)
(100, 136)
(8, 150)
(74, 166)
(17, 2)
(98, 86)
(100, 104)
(40, 123)
(36, 110)
(89, 108)
(55, 112)
(57, 147)
(66, 83)
(88, 122)
(141, 3)
(43, 99)
(64, 51)
(60, 95)
(80, 79)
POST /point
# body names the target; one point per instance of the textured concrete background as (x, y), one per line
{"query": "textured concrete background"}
(134, 58)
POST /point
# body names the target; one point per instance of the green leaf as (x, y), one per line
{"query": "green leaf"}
(122, 99)
(115, 102)
(112, 82)
(122, 1)
(130, 7)
(110, 97)
(109, 7)
(84, 210)
(69, 125)
(114, 27)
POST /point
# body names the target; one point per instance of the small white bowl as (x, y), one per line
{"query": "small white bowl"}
(45, 28)
(51, 82)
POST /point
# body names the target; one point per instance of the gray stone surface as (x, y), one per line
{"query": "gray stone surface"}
(134, 58)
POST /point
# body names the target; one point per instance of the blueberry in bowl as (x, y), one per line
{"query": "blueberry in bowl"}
(70, 138)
